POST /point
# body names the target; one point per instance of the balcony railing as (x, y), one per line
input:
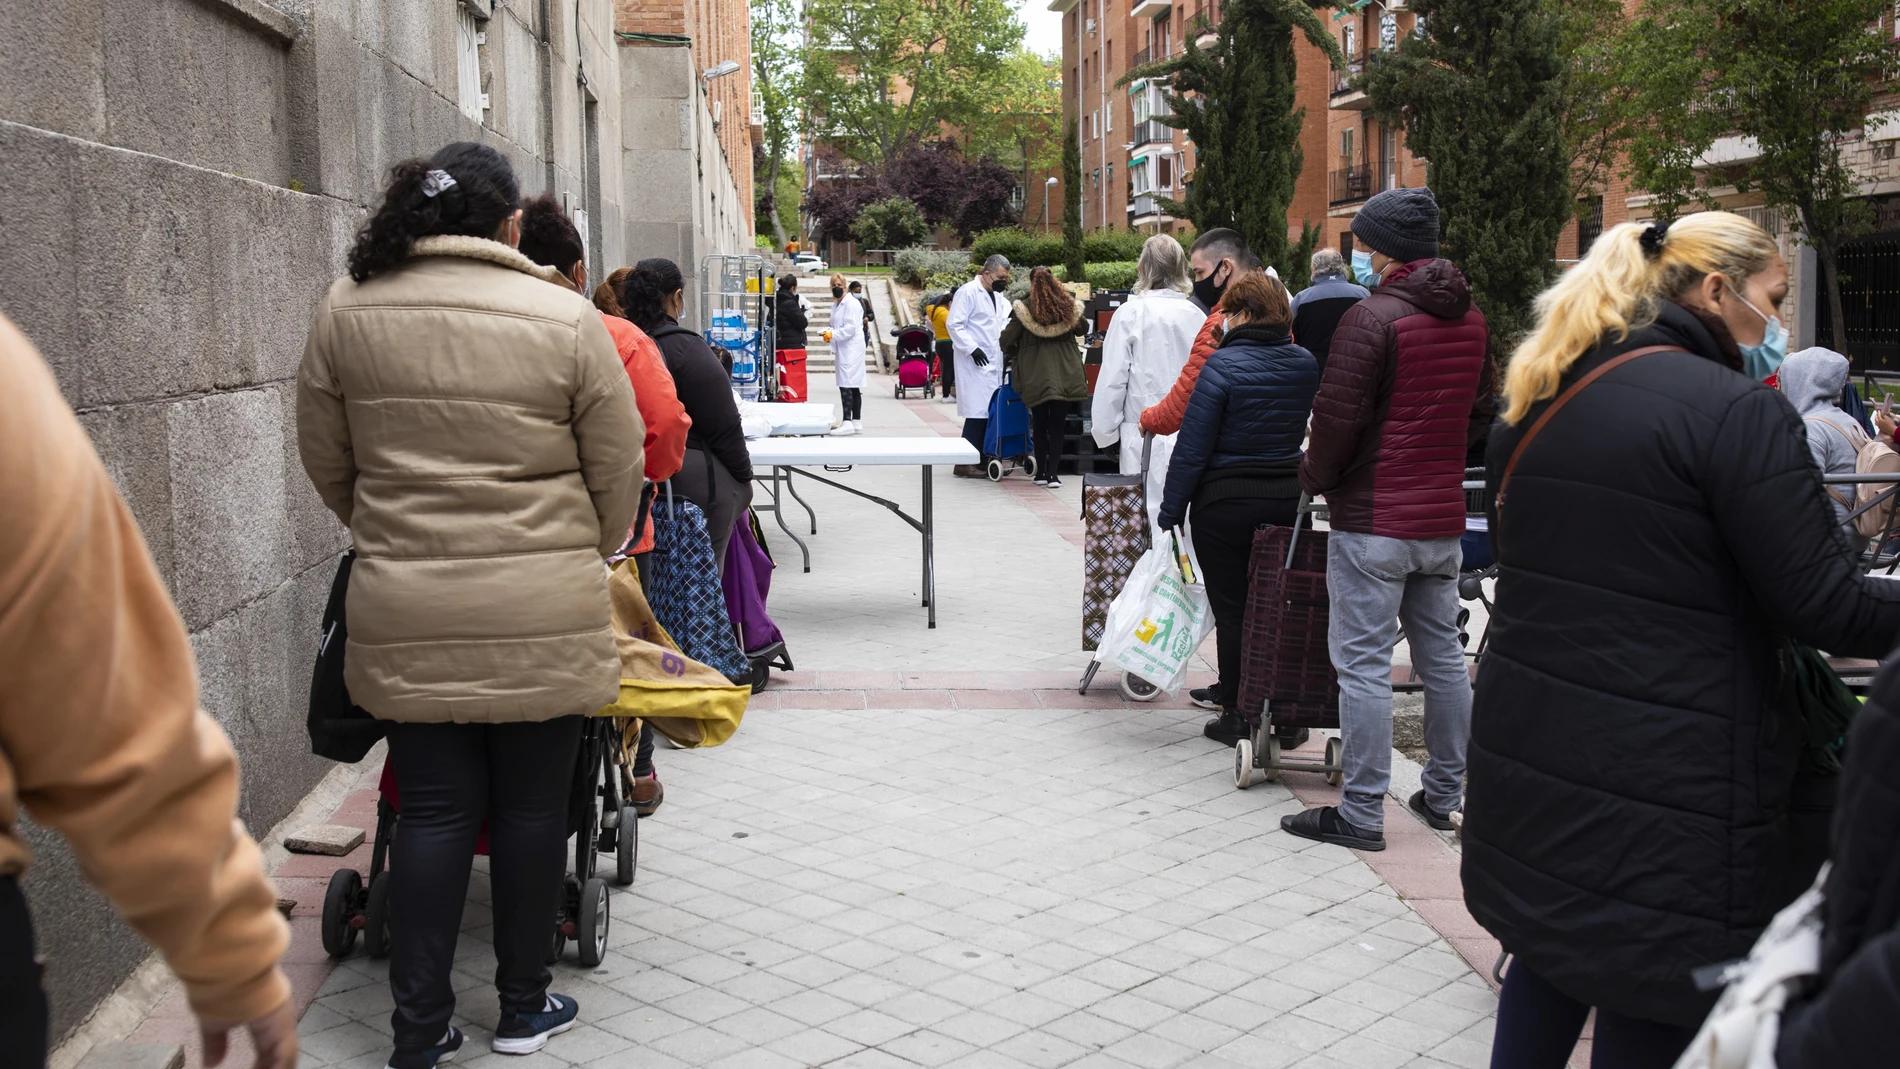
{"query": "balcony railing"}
(1352, 184)
(1143, 204)
(1151, 130)
(1342, 80)
(1143, 58)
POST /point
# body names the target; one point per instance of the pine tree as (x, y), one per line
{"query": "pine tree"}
(1072, 202)
(1480, 94)
(1237, 102)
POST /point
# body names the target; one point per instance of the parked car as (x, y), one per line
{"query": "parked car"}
(809, 263)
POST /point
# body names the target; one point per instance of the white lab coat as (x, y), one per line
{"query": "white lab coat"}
(847, 341)
(1147, 346)
(977, 318)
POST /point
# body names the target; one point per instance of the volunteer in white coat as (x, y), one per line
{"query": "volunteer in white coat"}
(1146, 348)
(977, 317)
(847, 349)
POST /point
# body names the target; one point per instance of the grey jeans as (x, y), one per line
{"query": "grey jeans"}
(1375, 584)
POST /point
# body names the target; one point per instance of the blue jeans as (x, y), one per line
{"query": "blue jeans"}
(1375, 583)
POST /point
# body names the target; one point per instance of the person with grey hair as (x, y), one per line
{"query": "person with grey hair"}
(1319, 307)
(1142, 356)
(977, 316)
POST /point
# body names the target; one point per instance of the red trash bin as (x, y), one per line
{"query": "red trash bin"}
(791, 376)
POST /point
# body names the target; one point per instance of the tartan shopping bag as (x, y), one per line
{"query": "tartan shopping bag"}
(1115, 535)
(686, 594)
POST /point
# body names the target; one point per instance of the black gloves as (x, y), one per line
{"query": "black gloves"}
(979, 358)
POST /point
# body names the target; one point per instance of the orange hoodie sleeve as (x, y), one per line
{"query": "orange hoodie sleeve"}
(101, 737)
(1165, 415)
(656, 398)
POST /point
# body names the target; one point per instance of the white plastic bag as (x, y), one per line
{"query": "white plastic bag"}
(1159, 619)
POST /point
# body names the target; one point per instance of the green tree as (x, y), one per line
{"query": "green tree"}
(1072, 200)
(1480, 95)
(777, 75)
(1237, 101)
(1019, 123)
(1594, 107)
(882, 75)
(891, 223)
(1795, 79)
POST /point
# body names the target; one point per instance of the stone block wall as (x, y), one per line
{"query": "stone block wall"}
(186, 178)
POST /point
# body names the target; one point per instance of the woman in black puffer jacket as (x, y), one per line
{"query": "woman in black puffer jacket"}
(1236, 462)
(1633, 811)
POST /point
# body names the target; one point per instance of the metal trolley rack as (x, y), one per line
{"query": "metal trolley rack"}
(735, 306)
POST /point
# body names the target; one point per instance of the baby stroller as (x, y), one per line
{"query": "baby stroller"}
(914, 361)
(1006, 439)
(603, 773)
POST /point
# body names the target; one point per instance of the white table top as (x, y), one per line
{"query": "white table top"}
(860, 449)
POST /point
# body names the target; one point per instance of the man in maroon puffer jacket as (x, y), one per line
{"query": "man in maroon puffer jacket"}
(1405, 392)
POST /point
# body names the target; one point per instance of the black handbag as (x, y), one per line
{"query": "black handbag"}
(339, 729)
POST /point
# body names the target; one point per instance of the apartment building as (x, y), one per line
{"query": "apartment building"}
(1365, 156)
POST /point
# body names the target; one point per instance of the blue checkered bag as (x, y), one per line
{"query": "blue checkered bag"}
(685, 592)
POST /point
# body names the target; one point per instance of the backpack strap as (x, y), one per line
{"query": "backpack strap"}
(1846, 496)
(1565, 398)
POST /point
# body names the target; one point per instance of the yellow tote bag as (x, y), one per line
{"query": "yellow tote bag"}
(688, 702)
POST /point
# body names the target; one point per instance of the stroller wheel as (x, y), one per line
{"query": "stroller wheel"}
(1137, 689)
(994, 469)
(627, 850)
(1335, 772)
(339, 906)
(1029, 466)
(591, 926)
(897, 392)
(1243, 764)
(376, 918)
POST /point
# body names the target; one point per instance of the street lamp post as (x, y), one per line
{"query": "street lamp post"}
(1046, 186)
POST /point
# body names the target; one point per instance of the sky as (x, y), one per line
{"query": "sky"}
(1045, 27)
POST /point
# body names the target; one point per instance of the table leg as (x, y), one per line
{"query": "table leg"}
(809, 514)
(930, 547)
(778, 513)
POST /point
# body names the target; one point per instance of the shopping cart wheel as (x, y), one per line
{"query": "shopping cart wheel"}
(1137, 689)
(339, 905)
(994, 469)
(376, 918)
(1243, 764)
(1029, 466)
(761, 675)
(591, 926)
(1271, 769)
(897, 392)
(1335, 771)
(627, 849)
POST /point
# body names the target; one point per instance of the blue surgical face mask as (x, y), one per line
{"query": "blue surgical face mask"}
(1362, 269)
(1762, 360)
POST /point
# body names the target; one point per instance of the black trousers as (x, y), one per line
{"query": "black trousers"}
(453, 776)
(946, 361)
(973, 432)
(852, 398)
(1223, 540)
(1049, 425)
(1538, 1027)
(23, 1013)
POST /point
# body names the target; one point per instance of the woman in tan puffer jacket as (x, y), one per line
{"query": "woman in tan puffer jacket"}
(469, 421)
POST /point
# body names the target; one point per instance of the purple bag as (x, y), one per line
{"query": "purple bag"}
(748, 580)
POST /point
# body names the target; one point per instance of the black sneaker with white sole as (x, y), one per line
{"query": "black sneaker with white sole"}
(1205, 697)
(428, 1059)
(1441, 821)
(525, 1033)
(1327, 826)
(1227, 729)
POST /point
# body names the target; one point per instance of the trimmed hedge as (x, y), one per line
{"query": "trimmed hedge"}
(1026, 249)
(914, 265)
(1119, 275)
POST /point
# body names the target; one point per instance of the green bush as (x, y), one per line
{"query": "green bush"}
(1118, 275)
(914, 265)
(1024, 249)
(946, 281)
(889, 223)
(1112, 246)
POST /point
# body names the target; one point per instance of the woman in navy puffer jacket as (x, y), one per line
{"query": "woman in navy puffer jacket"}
(1236, 464)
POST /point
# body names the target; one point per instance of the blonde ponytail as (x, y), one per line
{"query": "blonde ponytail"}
(1619, 287)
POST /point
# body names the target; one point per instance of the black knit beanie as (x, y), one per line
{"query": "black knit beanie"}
(1401, 223)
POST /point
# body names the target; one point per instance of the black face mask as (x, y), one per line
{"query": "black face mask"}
(837, 291)
(1208, 292)
(1001, 285)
